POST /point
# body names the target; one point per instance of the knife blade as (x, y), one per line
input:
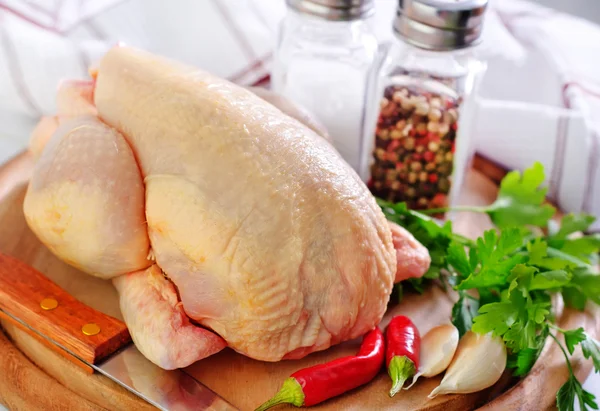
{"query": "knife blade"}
(94, 341)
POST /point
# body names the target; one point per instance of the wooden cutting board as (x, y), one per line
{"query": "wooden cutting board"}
(34, 377)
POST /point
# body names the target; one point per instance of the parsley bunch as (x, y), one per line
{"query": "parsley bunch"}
(505, 279)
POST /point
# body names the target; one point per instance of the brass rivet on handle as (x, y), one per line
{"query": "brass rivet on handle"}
(48, 304)
(90, 329)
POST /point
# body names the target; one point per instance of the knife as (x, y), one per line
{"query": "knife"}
(93, 340)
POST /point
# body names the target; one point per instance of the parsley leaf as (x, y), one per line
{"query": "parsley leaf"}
(496, 317)
(520, 278)
(550, 279)
(463, 312)
(588, 283)
(584, 285)
(518, 316)
(524, 360)
(521, 335)
(495, 266)
(457, 258)
(573, 337)
(493, 247)
(565, 398)
(574, 298)
(584, 248)
(590, 348)
(538, 312)
(538, 251)
(520, 199)
(417, 284)
(575, 261)
(572, 223)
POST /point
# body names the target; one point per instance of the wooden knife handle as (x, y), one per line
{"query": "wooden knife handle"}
(22, 290)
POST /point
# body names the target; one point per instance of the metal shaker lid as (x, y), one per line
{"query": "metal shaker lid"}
(334, 10)
(440, 24)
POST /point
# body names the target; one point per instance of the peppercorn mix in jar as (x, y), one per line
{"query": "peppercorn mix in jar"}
(414, 147)
(418, 140)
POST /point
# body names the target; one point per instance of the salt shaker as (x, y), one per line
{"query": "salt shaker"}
(322, 61)
(418, 136)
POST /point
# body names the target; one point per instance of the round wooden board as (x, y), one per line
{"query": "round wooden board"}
(41, 379)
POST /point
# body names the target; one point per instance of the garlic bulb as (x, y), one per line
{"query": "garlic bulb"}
(478, 364)
(437, 350)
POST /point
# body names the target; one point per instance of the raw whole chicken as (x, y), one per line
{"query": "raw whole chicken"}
(221, 220)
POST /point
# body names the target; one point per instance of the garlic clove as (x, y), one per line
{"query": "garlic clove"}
(437, 350)
(478, 363)
(439, 345)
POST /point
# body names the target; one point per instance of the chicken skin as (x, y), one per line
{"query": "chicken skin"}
(221, 220)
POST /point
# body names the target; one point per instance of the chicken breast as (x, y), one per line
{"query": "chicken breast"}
(209, 206)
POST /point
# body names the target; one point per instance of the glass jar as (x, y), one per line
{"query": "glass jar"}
(322, 61)
(418, 138)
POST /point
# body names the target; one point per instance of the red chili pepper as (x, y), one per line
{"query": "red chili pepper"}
(321, 382)
(402, 353)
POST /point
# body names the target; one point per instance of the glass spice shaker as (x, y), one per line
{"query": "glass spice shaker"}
(322, 60)
(418, 142)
